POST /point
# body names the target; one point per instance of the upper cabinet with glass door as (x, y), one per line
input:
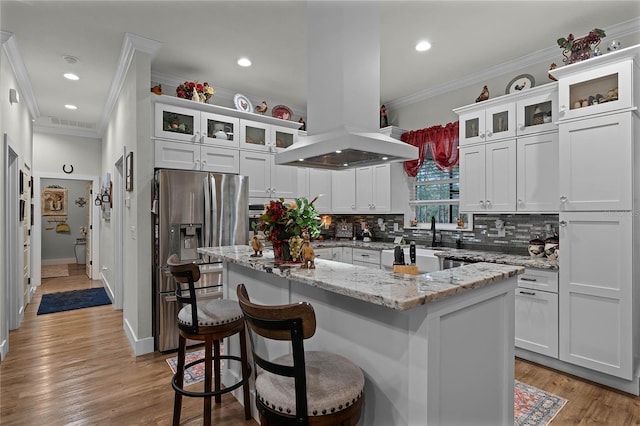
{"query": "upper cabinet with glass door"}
(220, 130)
(597, 85)
(536, 112)
(486, 122)
(174, 122)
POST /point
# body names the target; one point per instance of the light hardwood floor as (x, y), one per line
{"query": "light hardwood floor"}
(77, 368)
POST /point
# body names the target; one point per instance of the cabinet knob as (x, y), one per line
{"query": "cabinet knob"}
(489, 133)
(353, 206)
(563, 223)
(482, 203)
(563, 199)
(522, 126)
(481, 135)
(520, 203)
(488, 203)
(268, 190)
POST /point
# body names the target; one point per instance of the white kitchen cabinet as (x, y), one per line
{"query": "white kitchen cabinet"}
(177, 123)
(596, 163)
(537, 113)
(313, 182)
(488, 177)
(601, 77)
(347, 255)
(373, 189)
(364, 257)
(490, 123)
(265, 137)
(536, 309)
(343, 191)
(537, 171)
(596, 291)
(266, 179)
(220, 130)
(190, 156)
(323, 253)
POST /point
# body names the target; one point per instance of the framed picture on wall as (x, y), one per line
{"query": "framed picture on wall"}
(129, 172)
(54, 202)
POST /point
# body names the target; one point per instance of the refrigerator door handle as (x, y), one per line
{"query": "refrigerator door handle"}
(207, 212)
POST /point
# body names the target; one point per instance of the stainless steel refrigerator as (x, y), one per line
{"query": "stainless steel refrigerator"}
(191, 210)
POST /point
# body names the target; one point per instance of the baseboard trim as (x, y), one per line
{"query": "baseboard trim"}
(3, 349)
(61, 261)
(139, 346)
(108, 288)
(629, 386)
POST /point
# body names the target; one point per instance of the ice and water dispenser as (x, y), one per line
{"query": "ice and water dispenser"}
(185, 238)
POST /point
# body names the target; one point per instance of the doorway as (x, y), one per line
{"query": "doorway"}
(49, 224)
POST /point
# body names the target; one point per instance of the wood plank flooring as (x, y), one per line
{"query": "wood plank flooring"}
(77, 368)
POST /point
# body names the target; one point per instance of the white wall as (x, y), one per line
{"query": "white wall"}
(15, 120)
(52, 151)
(130, 127)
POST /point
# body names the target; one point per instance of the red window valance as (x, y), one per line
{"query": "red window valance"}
(441, 140)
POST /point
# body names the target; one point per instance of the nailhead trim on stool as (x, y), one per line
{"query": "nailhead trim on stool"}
(211, 312)
(333, 384)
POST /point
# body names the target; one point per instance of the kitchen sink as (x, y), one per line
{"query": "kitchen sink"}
(426, 260)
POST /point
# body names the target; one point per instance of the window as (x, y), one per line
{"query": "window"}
(436, 193)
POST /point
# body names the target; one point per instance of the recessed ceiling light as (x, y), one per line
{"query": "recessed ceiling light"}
(300, 159)
(423, 46)
(338, 151)
(71, 76)
(69, 106)
(244, 62)
(346, 164)
(385, 158)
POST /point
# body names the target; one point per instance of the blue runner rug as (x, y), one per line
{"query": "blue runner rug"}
(70, 300)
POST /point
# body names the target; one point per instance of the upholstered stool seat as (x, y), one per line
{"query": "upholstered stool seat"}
(211, 313)
(333, 384)
(209, 321)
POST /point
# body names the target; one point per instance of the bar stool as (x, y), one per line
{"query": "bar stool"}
(300, 388)
(209, 321)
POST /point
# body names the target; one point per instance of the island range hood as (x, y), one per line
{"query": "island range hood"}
(343, 105)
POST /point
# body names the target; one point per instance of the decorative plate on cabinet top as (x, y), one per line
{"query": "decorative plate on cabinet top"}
(242, 103)
(520, 83)
(282, 112)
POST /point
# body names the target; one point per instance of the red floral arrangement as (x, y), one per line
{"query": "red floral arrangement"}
(189, 89)
(281, 220)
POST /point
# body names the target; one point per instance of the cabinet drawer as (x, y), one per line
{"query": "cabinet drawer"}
(323, 253)
(539, 279)
(366, 256)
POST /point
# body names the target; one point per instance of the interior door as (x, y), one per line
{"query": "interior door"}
(89, 198)
(25, 214)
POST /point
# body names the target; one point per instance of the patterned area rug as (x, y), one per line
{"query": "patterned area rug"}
(52, 271)
(533, 406)
(195, 373)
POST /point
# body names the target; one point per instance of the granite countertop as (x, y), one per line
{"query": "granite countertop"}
(385, 288)
(495, 257)
(452, 253)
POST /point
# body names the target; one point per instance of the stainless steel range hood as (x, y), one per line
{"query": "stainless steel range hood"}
(343, 106)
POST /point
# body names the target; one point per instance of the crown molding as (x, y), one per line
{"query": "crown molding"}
(549, 53)
(39, 128)
(130, 45)
(17, 64)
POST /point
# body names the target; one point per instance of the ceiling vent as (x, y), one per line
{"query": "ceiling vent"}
(72, 123)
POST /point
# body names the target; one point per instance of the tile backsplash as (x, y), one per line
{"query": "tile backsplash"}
(518, 228)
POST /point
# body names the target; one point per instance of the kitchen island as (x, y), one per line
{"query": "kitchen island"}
(435, 348)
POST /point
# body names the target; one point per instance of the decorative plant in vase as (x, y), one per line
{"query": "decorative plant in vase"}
(579, 49)
(282, 220)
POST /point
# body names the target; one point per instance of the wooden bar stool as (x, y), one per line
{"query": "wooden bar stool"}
(209, 321)
(300, 388)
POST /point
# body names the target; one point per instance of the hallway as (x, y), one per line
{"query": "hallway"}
(76, 367)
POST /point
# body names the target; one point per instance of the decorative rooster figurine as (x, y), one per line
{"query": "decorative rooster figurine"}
(262, 108)
(484, 95)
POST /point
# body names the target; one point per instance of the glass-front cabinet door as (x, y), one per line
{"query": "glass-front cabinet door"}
(283, 138)
(537, 113)
(220, 130)
(472, 127)
(255, 136)
(500, 122)
(172, 122)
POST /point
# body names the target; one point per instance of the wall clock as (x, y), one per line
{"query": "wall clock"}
(520, 83)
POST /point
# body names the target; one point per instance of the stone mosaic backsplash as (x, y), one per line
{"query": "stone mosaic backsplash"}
(518, 229)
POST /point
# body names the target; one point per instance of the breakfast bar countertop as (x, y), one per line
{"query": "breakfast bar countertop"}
(496, 257)
(385, 288)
